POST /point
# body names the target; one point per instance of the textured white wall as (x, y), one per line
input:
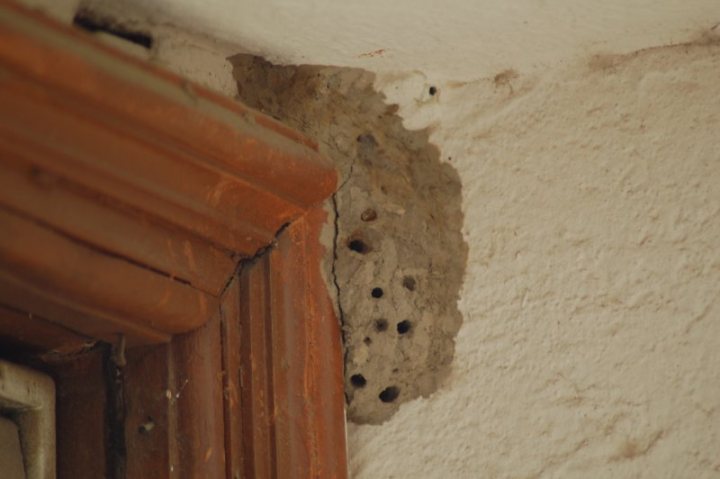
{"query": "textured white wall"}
(591, 337)
(63, 10)
(445, 39)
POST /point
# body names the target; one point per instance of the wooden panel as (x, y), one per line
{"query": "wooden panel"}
(307, 357)
(74, 211)
(256, 371)
(148, 398)
(232, 382)
(138, 302)
(175, 418)
(82, 433)
(197, 376)
(292, 376)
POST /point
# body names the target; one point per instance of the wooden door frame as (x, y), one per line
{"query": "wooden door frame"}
(144, 209)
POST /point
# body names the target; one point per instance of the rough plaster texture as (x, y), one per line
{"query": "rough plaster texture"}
(447, 40)
(191, 54)
(399, 255)
(590, 345)
(187, 52)
(63, 10)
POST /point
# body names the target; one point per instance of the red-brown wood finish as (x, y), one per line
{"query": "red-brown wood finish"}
(133, 204)
(62, 272)
(150, 425)
(112, 156)
(265, 375)
(232, 343)
(82, 401)
(307, 376)
(292, 398)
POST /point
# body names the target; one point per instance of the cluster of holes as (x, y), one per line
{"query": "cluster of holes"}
(391, 393)
(358, 245)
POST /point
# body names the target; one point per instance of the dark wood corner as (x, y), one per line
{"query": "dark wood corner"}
(160, 257)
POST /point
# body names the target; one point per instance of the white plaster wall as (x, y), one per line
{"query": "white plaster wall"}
(446, 40)
(63, 10)
(591, 337)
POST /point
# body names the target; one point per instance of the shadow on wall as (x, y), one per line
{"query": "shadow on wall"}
(399, 252)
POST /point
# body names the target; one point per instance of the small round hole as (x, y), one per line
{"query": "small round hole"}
(381, 325)
(358, 380)
(147, 426)
(377, 293)
(389, 394)
(404, 327)
(367, 341)
(367, 139)
(358, 245)
(369, 215)
(432, 91)
(409, 283)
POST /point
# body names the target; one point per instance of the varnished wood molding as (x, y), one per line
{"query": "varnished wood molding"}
(292, 414)
(257, 392)
(135, 203)
(128, 195)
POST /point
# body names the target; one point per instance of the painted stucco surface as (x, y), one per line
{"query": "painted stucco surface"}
(591, 338)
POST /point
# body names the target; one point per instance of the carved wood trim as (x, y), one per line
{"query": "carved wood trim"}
(257, 392)
(130, 203)
(293, 418)
(152, 187)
